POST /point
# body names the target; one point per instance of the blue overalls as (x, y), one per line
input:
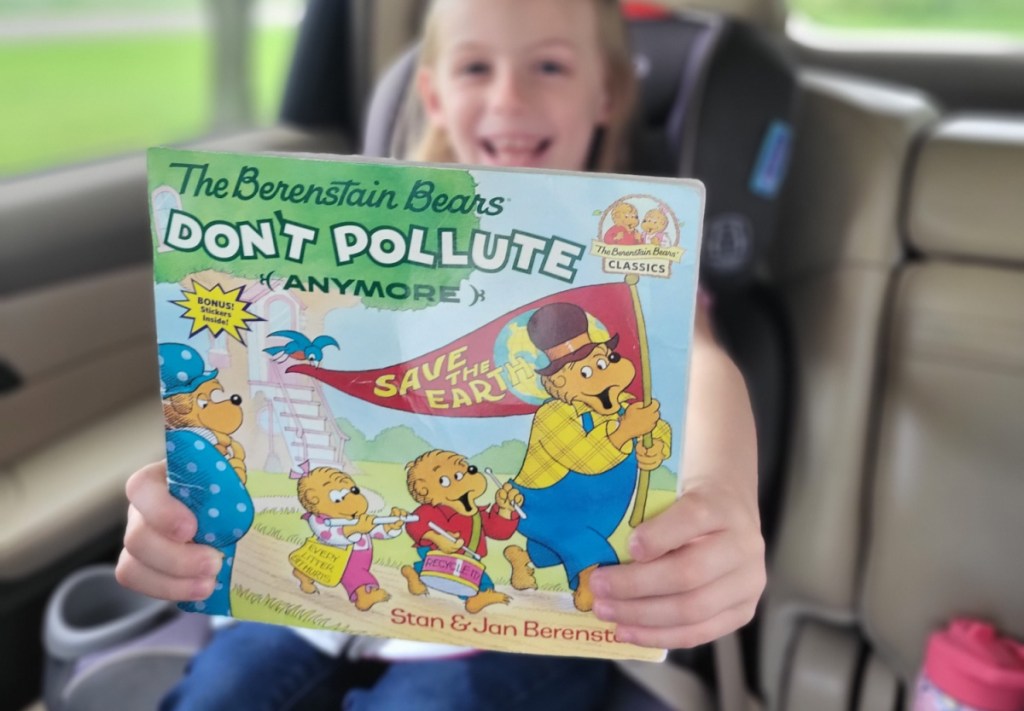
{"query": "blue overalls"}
(569, 522)
(200, 477)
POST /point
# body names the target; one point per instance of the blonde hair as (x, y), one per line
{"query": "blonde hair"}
(607, 155)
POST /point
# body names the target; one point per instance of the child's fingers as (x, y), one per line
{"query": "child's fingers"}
(135, 575)
(180, 560)
(683, 609)
(685, 636)
(148, 494)
(688, 568)
(693, 515)
(682, 522)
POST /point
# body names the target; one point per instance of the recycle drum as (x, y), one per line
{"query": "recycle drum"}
(452, 573)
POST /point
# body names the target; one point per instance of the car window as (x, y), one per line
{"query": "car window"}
(86, 79)
(965, 16)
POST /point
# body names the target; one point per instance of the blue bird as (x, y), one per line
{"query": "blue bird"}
(300, 347)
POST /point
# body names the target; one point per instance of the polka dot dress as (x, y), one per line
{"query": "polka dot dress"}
(200, 477)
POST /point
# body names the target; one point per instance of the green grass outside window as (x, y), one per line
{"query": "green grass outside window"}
(1002, 16)
(68, 100)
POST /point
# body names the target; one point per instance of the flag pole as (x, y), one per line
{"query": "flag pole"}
(643, 476)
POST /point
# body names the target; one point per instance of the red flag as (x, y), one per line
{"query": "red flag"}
(490, 371)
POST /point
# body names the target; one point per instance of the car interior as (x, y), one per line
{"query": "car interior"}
(873, 301)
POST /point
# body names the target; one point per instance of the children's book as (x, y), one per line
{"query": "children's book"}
(421, 402)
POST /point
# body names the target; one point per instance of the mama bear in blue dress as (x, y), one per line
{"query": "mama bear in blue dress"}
(205, 468)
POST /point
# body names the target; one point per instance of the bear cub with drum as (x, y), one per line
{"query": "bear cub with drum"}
(451, 532)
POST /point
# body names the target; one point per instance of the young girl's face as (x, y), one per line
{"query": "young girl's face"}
(517, 82)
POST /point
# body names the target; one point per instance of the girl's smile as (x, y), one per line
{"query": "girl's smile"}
(513, 150)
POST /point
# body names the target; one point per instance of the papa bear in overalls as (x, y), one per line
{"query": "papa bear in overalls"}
(584, 452)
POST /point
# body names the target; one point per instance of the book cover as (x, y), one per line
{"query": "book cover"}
(416, 401)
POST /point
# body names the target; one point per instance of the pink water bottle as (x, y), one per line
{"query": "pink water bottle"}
(968, 667)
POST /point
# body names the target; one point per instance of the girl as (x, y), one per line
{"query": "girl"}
(538, 83)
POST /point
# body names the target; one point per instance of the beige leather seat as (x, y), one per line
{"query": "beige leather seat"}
(905, 489)
(838, 251)
(946, 498)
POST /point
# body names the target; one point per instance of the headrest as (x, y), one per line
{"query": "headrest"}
(965, 197)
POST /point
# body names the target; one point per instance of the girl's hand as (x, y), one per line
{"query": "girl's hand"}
(159, 558)
(697, 574)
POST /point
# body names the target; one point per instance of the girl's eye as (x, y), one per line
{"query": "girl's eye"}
(337, 495)
(586, 371)
(601, 364)
(476, 68)
(202, 403)
(445, 482)
(550, 66)
(459, 475)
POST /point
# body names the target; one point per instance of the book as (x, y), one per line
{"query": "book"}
(421, 402)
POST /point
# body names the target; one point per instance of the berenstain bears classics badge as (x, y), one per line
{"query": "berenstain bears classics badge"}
(638, 234)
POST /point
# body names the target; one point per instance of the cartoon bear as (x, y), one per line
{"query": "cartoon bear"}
(654, 225)
(584, 452)
(447, 486)
(624, 223)
(341, 548)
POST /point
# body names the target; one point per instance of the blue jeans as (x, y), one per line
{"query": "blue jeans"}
(488, 680)
(260, 667)
(256, 667)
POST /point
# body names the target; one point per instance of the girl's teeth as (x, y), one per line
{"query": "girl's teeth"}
(515, 145)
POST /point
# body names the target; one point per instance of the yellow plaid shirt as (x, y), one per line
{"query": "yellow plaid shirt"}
(558, 444)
